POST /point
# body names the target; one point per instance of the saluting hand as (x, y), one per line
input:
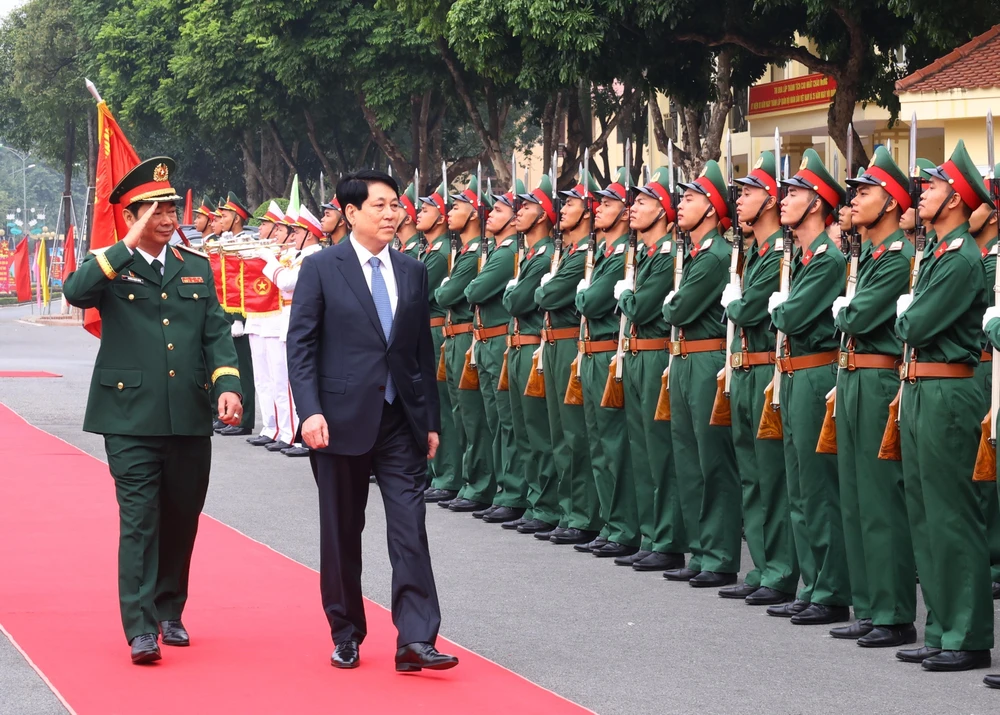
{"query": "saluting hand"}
(315, 432)
(230, 408)
(138, 229)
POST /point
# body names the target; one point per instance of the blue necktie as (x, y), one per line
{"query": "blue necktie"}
(380, 294)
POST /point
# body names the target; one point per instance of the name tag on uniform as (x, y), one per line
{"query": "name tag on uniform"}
(192, 279)
(132, 279)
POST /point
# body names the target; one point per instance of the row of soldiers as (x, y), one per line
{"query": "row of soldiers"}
(618, 376)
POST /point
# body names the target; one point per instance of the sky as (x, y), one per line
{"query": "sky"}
(7, 5)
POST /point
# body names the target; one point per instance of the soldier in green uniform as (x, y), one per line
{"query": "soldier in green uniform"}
(446, 475)
(485, 293)
(166, 351)
(766, 517)
(646, 353)
(333, 222)
(480, 485)
(707, 476)
(607, 426)
(872, 498)
(808, 363)
(532, 439)
(939, 423)
(409, 237)
(579, 521)
(203, 219)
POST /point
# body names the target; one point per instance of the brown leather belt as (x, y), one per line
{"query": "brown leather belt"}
(485, 334)
(517, 341)
(986, 357)
(804, 362)
(550, 335)
(687, 347)
(638, 345)
(437, 322)
(454, 329)
(850, 360)
(590, 347)
(913, 371)
(749, 360)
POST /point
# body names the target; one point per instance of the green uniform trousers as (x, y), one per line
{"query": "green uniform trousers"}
(813, 488)
(160, 483)
(939, 430)
(489, 362)
(873, 501)
(477, 458)
(578, 504)
(988, 495)
(767, 521)
(610, 455)
(706, 465)
(531, 436)
(446, 467)
(661, 523)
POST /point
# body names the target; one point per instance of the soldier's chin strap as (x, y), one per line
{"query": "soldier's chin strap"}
(232, 223)
(881, 214)
(704, 216)
(937, 214)
(760, 211)
(795, 226)
(541, 212)
(652, 223)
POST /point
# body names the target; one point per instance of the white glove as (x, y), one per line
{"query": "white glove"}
(444, 280)
(511, 283)
(990, 314)
(670, 297)
(268, 256)
(729, 294)
(237, 329)
(839, 303)
(624, 285)
(546, 278)
(775, 300)
(902, 303)
(583, 285)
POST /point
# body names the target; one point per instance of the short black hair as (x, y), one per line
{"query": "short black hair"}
(353, 188)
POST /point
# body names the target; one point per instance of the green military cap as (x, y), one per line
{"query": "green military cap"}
(470, 195)
(964, 177)
(923, 165)
(883, 171)
(234, 204)
(508, 198)
(581, 190)
(218, 208)
(145, 183)
(542, 195)
(206, 206)
(812, 175)
(437, 199)
(617, 189)
(763, 174)
(713, 185)
(408, 200)
(659, 188)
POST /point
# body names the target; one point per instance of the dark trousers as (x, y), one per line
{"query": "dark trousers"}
(161, 484)
(401, 466)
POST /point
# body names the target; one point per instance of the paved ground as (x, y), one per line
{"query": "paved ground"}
(618, 642)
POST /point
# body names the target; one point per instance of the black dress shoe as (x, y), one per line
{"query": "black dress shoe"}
(174, 633)
(996, 595)
(502, 514)
(765, 596)
(889, 636)
(546, 535)
(439, 495)
(818, 615)
(916, 655)
(589, 546)
(417, 656)
(787, 610)
(630, 559)
(259, 441)
(295, 451)
(466, 505)
(861, 627)
(955, 660)
(276, 446)
(346, 655)
(711, 579)
(218, 425)
(483, 512)
(740, 591)
(235, 430)
(657, 561)
(145, 649)
(992, 681)
(613, 549)
(681, 574)
(533, 526)
(511, 525)
(445, 503)
(573, 536)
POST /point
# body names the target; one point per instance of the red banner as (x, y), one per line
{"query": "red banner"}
(259, 294)
(241, 285)
(5, 261)
(808, 91)
(69, 251)
(22, 272)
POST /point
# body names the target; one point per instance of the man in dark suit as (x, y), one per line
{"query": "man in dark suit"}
(363, 375)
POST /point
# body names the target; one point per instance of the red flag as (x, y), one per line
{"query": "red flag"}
(22, 271)
(69, 253)
(188, 210)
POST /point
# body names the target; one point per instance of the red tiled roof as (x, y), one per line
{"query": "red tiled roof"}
(974, 65)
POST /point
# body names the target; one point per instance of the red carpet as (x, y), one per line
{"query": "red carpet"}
(27, 373)
(261, 642)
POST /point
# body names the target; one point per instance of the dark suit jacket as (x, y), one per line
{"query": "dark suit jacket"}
(338, 356)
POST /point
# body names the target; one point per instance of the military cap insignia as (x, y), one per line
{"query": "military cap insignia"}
(161, 172)
(804, 164)
(704, 170)
(872, 162)
(759, 163)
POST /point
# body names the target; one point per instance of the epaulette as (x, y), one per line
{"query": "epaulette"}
(955, 244)
(472, 246)
(706, 244)
(620, 248)
(192, 250)
(409, 246)
(437, 246)
(993, 251)
(665, 248)
(896, 246)
(507, 243)
(779, 244)
(540, 251)
(822, 249)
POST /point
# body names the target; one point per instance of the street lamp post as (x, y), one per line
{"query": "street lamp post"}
(24, 177)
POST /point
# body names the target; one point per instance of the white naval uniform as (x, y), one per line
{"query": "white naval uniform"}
(266, 345)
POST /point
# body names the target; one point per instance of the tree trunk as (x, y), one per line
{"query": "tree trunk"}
(68, 157)
(314, 142)
(400, 165)
(253, 170)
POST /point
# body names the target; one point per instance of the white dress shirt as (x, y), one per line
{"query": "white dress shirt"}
(162, 258)
(364, 255)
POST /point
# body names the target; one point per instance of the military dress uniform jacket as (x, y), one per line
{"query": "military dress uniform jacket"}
(166, 348)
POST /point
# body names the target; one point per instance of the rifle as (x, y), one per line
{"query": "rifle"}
(722, 415)
(890, 448)
(986, 458)
(416, 205)
(574, 388)
(470, 373)
(614, 391)
(535, 387)
(663, 401)
(770, 419)
(503, 384)
(442, 374)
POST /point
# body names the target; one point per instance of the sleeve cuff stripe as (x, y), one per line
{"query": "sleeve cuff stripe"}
(106, 268)
(225, 371)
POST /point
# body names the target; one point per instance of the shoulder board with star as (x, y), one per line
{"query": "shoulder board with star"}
(193, 251)
(706, 244)
(620, 248)
(896, 246)
(665, 248)
(955, 244)
(507, 243)
(822, 249)
(540, 251)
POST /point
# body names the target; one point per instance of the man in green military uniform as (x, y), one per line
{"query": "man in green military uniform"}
(810, 354)
(166, 349)
(766, 517)
(939, 423)
(480, 485)
(872, 498)
(607, 426)
(406, 232)
(532, 438)
(646, 352)
(703, 454)
(203, 219)
(485, 293)
(446, 475)
(333, 222)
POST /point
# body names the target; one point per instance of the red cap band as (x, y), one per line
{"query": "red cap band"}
(230, 206)
(962, 187)
(717, 200)
(546, 202)
(411, 210)
(664, 198)
(896, 191)
(826, 192)
(766, 179)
